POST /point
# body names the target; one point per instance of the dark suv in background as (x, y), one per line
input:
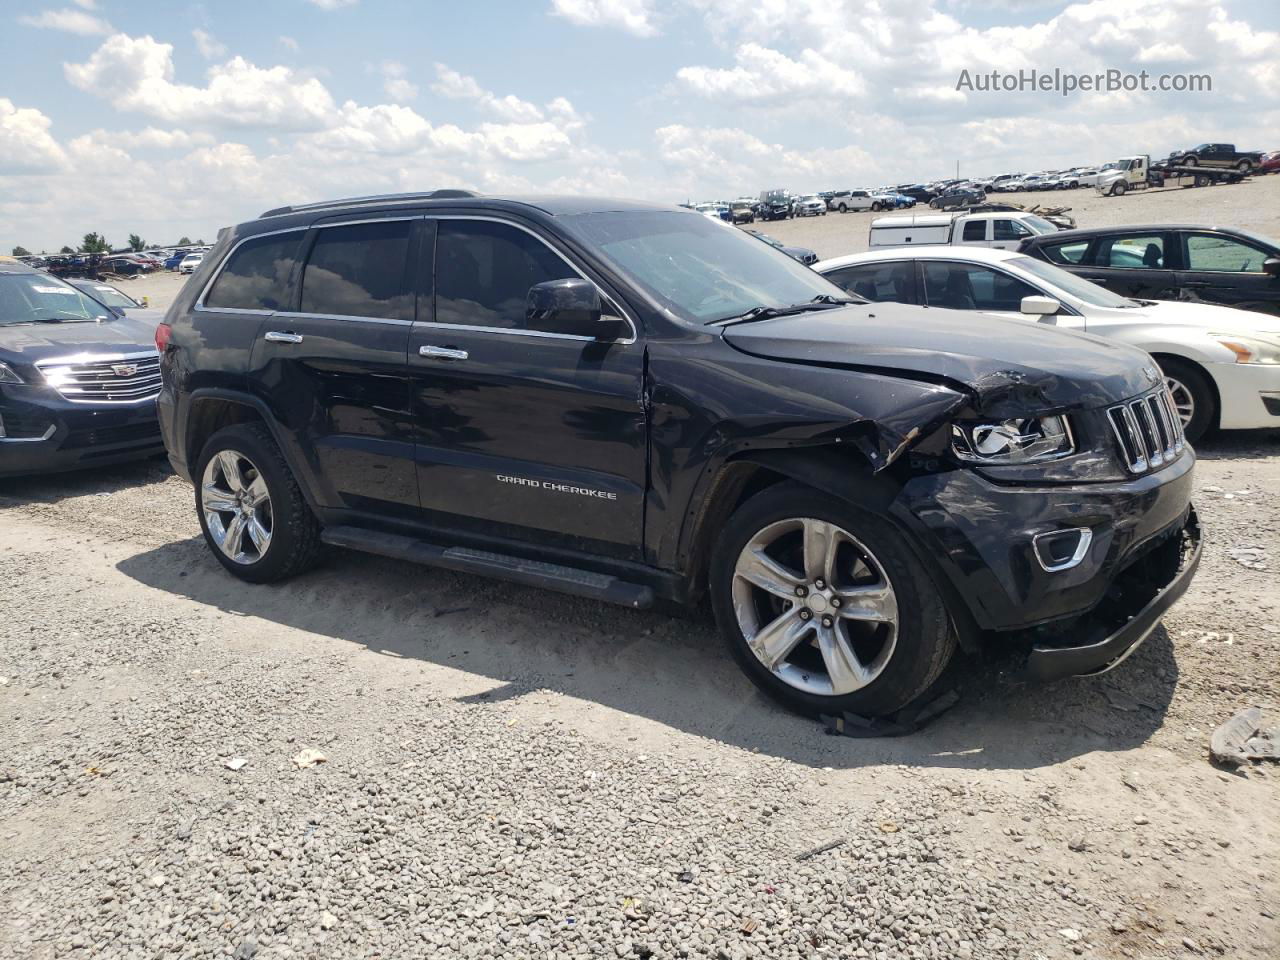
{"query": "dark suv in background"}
(634, 403)
(78, 379)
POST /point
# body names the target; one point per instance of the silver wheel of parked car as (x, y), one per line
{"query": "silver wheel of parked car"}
(237, 507)
(1184, 400)
(815, 606)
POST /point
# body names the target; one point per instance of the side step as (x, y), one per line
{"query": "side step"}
(533, 573)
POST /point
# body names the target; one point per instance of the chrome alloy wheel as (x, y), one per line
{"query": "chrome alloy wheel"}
(815, 606)
(1183, 399)
(236, 506)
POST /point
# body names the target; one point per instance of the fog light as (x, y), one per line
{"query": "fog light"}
(1062, 549)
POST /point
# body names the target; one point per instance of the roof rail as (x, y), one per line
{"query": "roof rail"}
(447, 194)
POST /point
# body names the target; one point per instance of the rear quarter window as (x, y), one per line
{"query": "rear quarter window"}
(256, 275)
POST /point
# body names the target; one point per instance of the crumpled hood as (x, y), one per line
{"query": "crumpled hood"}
(1011, 367)
(27, 343)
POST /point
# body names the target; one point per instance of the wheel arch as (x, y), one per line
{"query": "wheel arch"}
(1163, 355)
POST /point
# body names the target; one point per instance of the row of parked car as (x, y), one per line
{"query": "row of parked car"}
(129, 264)
(864, 466)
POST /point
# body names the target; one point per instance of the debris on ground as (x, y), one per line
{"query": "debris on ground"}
(908, 720)
(1244, 738)
(821, 848)
(1251, 556)
(235, 763)
(309, 758)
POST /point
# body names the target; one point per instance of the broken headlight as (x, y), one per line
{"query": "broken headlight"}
(1023, 440)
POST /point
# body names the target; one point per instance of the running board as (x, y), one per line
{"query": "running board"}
(533, 573)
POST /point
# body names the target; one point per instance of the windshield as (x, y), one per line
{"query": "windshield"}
(35, 298)
(111, 296)
(699, 270)
(1078, 287)
(1039, 224)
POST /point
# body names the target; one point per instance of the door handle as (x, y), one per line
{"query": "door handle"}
(442, 353)
(276, 336)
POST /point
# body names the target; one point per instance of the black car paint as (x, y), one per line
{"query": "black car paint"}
(85, 434)
(1172, 280)
(665, 427)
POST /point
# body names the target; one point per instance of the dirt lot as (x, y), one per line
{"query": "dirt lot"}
(515, 773)
(1251, 205)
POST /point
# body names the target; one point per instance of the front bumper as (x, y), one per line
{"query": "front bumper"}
(1139, 597)
(1248, 394)
(49, 434)
(981, 534)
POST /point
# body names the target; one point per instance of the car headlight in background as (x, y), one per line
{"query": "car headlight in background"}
(1250, 349)
(8, 376)
(1023, 440)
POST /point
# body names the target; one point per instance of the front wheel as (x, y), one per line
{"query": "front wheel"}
(1119, 189)
(1193, 396)
(824, 607)
(1245, 167)
(251, 510)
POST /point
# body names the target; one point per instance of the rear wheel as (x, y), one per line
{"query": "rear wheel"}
(1189, 162)
(251, 510)
(824, 607)
(843, 208)
(1193, 396)
(1245, 167)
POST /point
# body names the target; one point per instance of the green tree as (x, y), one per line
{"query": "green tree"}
(136, 243)
(66, 250)
(95, 243)
(21, 252)
(184, 242)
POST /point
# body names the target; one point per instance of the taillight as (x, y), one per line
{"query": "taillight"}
(163, 332)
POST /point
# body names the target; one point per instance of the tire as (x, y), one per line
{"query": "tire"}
(843, 208)
(877, 207)
(1189, 162)
(1245, 167)
(895, 661)
(1187, 382)
(1119, 189)
(292, 541)
(1201, 180)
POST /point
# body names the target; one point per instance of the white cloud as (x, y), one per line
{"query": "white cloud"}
(634, 16)
(764, 74)
(208, 46)
(26, 146)
(455, 86)
(334, 4)
(137, 73)
(289, 43)
(69, 21)
(396, 83)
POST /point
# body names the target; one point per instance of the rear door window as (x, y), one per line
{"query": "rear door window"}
(1131, 252)
(1072, 252)
(975, 230)
(360, 270)
(876, 281)
(256, 275)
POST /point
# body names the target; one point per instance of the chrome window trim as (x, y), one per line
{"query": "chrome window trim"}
(512, 331)
(300, 315)
(631, 322)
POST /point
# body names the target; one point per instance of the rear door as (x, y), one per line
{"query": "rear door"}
(1217, 268)
(1133, 264)
(333, 366)
(526, 430)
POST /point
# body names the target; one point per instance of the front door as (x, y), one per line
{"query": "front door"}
(525, 431)
(1227, 270)
(333, 366)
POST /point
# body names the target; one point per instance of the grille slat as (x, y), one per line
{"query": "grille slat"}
(1148, 430)
(105, 379)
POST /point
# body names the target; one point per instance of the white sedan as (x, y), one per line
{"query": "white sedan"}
(190, 262)
(1222, 364)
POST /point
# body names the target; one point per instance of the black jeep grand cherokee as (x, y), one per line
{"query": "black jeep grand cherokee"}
(632, 403)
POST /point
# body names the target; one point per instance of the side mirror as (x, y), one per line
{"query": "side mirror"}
(1038, 306)
(572, 306)
(1271, 266)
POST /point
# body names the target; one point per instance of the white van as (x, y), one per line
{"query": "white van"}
(1003, 230)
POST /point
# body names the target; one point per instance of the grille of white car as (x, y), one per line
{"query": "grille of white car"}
(127, 378)
(1149, 430)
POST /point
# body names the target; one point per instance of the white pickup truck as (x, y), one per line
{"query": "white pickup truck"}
(1003, 230)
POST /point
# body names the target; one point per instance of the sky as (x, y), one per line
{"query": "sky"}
(178, 118)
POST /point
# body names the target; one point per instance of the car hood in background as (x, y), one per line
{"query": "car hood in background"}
(29, 342)
(1211, 316)
(1010, 366)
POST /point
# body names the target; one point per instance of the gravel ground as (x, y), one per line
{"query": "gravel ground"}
(510, 772)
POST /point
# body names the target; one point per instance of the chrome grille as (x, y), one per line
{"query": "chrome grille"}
(1148, 429)
(125, 378)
